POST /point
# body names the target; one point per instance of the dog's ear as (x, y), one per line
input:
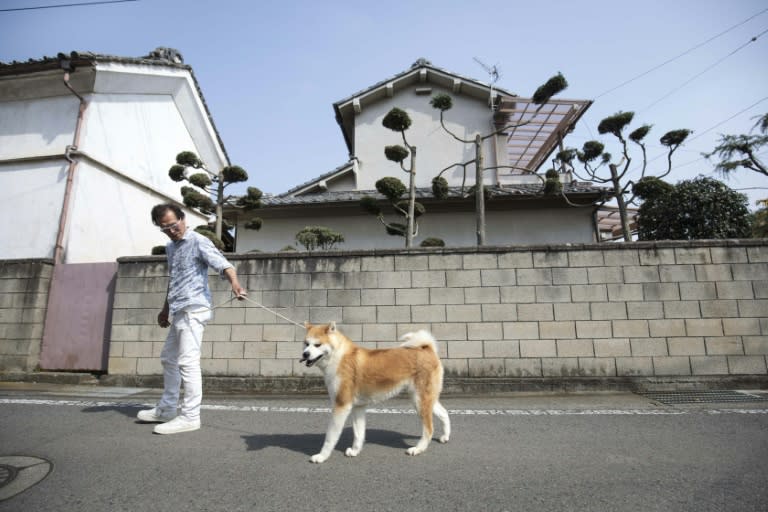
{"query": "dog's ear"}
(331, 327)
(307, 325)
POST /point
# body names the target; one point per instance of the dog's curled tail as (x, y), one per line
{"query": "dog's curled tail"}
(419, 339)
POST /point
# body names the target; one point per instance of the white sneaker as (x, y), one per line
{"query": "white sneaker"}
(155, 416)
(177, 425)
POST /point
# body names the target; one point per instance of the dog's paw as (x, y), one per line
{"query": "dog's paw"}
(318, 458)
(444, 439)
(351, 452)
(414, 450)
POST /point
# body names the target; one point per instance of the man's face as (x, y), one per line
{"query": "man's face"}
(172, 226)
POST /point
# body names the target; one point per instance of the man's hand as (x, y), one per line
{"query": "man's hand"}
(162, 319)
(239, 291)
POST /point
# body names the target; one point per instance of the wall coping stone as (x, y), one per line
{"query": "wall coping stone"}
(605, 246)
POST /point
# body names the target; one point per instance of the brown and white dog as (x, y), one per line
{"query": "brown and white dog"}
(357, 376)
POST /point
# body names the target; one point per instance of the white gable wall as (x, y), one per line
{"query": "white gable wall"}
(135, 131)
(436, 149)
(139, 134)
(172, 84)
(110, 217)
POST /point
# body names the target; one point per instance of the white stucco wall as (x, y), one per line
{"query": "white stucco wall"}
(435, 149)
(31, 193)
(137, 120)
(361, 231)
(138, 134)
(30, 202)
(111, 217)
(176, 87)
(36, 127)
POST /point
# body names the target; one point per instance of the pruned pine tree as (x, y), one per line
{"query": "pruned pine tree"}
(737, 151)
(742, 151)
(318, 237)
(207, 193)
(393, 189)
(598, 165)
(443, 103)
(399, 121)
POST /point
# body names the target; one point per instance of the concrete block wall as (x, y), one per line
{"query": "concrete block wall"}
(609, 310)
(23, 302)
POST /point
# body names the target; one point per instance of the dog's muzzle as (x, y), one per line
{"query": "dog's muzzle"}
(309, 362)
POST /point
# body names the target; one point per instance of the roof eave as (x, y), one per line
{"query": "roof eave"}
(345, 108)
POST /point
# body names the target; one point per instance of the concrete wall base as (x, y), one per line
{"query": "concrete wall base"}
(453, 386)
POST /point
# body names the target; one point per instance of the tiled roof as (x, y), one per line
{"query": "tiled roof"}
(421, 63)
(166, 57)
(315, 180)
(353, 196)
(159, 57)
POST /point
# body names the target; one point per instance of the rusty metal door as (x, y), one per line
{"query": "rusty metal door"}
(79, 317)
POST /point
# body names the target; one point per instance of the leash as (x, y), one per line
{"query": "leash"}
(262, 306)
(230, 300)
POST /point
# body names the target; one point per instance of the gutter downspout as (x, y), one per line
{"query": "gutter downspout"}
(59, 248)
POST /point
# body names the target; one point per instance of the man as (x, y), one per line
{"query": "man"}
(186, 311)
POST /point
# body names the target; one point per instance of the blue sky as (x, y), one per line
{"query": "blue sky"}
(271, 70)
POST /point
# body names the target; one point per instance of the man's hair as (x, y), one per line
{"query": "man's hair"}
(159, 211)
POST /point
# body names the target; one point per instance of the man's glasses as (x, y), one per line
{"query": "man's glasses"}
(170, 227)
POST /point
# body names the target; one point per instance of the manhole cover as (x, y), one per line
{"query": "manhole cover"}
(19, 473)
(7, 474)
(702, 397)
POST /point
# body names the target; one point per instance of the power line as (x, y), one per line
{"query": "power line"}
(686, 52)
(726, 120)
(694, 77)
(65, 5)
(662, 155)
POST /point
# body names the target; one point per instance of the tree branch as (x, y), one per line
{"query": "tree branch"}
(442, 123)
(757, 165)
(645, 159)
(464, 165)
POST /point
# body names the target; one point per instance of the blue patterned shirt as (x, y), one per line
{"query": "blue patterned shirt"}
(188, 262)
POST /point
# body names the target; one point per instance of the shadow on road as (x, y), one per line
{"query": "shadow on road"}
(309, 444)
(130, 410)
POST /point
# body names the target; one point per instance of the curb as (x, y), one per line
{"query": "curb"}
(451, 385)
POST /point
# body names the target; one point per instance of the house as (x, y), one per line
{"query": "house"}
(86, 141)
(85, 144)
(517, 210)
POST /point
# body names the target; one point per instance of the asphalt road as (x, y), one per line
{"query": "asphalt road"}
(601, 452)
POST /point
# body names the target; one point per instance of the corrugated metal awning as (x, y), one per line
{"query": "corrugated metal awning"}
(535, 130)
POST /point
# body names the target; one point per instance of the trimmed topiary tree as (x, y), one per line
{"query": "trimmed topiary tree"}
(398, 120)
(432, 242)
(443, 103)
(393, 189)
(600, 168)
(318, 237)
(207, 192)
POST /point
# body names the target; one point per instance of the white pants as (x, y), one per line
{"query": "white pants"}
(181, 363)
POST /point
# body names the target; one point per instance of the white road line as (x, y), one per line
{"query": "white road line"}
(373, 410)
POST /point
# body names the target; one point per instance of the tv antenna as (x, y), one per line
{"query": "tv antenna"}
(493, 71)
